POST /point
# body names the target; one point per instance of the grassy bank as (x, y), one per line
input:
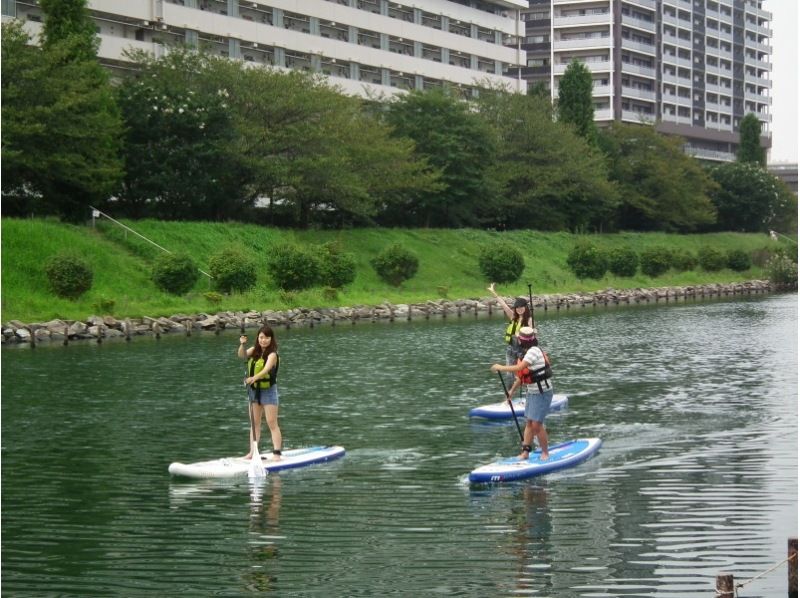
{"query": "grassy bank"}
(448, 265)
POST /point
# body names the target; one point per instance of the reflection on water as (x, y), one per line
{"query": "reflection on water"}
(696, 405)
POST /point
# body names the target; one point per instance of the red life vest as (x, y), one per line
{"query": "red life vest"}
(528, 376)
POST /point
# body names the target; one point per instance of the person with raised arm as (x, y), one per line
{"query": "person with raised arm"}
(262, 389)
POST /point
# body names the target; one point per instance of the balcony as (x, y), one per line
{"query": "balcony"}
(594, 67)
(671, 98)
(759, 81)
(641, 94)
(638, 117)
(629, 44)
(725, 36)
(755, 62)
(719, 71)
(718, 125)
(758, 47)
(604, 114)
(636, 69)
(707, 154)
(677, 41)
(572, 44)
(674, 60)
(757, 97)
(630, 21)
(649, 4)
(573, 21)
(676, 118)
(719, 90)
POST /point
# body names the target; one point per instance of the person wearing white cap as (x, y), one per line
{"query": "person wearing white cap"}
(533, 370)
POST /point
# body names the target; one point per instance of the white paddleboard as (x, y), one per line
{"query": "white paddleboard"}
(566, 454)
(501, 410)
(229, 467)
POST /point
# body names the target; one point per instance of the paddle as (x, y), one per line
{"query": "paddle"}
(530, 298)
(511, 405)
(256, 467)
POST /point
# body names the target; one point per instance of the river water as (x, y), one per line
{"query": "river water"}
(696, 404)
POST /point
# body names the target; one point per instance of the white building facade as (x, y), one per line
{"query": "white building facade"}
(695, 68)
(365, 47)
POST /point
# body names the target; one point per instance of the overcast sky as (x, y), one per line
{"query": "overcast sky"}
(784, 79)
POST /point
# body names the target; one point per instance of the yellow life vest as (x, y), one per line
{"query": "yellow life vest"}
(254, 366)
(512, 329)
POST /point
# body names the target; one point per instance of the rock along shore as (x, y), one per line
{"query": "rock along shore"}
(99, 327)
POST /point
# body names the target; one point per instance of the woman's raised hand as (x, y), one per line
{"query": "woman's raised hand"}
(491, 288)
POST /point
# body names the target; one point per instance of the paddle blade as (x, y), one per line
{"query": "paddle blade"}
(256, 467)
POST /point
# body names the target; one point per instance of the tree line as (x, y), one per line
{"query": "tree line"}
(190, 136)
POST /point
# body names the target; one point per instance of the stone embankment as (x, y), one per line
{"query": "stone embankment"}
(97, 327)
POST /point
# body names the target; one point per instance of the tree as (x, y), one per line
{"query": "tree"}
(181, 148)
(549, 177)
(750, 149)
(750, 199)
(661, 187)
(575, 105)
(316, 153)
(61, 126)
(540, 90)
(458, 144)
(67, 22)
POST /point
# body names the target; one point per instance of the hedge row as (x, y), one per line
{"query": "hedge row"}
(587, 260)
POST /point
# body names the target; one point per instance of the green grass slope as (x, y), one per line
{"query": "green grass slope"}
(121, 262)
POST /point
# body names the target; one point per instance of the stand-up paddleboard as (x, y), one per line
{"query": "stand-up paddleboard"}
(501, 410)
(230, 467)
(567, 454)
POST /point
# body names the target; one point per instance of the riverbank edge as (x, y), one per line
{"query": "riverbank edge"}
(99, 327)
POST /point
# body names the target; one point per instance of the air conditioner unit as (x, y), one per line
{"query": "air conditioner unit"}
(146, 23)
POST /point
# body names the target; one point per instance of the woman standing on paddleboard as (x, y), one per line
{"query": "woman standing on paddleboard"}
(518, 317)
(533, 370)
(262, 390)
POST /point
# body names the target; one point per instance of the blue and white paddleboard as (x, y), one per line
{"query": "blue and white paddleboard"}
(501, 410)
(567, 454)
(230, 467)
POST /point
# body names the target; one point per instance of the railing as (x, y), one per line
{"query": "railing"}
(97, 213)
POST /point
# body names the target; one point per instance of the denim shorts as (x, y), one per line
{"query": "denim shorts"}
(537, 405)
(269, 396)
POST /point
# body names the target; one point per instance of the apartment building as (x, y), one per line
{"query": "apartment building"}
(692, 67)
(364, 46)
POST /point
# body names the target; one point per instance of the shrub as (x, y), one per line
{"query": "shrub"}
(232, 270)
(213, 297)
(338, 269)
(69, 275)
(762, 256)
(683, 260)
(623, 261)
(395, 264)
(739, 260)
(174, 273)
(782, 270)
(655, 261)
(586, 260)
(288, 297)
(104, 305)
(294, 268)
(711, 259)
(501, 262)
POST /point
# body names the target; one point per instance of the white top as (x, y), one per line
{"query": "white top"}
(535, 360)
